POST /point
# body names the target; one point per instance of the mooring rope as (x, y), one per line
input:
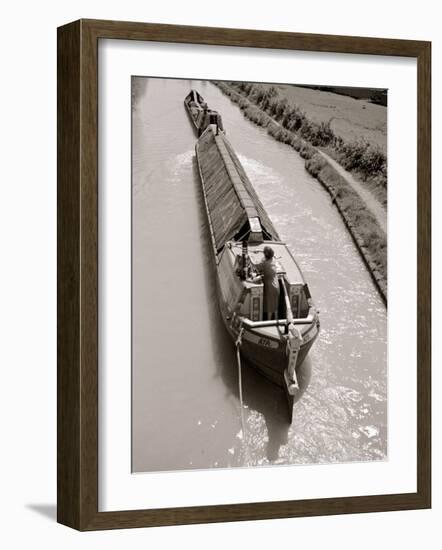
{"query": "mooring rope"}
(238, 358)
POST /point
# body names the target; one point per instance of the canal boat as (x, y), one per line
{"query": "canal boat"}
(240, 228)
(200, 114)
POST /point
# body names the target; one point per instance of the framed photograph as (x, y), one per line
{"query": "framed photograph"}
(244, 294)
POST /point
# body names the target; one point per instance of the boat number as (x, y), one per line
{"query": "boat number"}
(264, 342)
(260, 340)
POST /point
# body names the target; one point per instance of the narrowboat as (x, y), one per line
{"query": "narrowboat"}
(200, 114)
(240, 228)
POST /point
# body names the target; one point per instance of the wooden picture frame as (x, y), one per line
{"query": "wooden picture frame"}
(77, 224)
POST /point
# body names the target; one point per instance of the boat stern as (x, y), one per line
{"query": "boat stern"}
(277, 349)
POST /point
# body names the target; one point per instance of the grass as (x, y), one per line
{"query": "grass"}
(294, 129)
(366, 159)
(350, 118)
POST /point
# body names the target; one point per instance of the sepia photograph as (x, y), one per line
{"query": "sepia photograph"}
(259, 274)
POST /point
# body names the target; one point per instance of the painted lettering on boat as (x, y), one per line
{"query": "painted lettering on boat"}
(261, 340)
(265, 342)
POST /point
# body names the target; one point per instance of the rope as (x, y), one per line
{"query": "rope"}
(238, 358)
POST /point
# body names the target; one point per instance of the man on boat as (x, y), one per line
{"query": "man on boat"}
(268, 269)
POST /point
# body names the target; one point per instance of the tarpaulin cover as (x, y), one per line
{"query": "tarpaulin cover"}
(230, 197)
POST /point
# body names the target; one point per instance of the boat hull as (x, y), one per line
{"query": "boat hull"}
(267, 355)
(271, 364)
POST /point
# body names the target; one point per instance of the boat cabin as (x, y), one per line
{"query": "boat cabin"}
(242, 289)
(209, 117)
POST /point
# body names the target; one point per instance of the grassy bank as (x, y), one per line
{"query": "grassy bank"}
(367, 235)
(365, 157)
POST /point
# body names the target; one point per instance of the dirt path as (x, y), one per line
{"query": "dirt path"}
(375, 207)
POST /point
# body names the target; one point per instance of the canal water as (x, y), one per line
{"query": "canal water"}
(186, 408)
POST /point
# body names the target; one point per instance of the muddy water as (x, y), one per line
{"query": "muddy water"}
(186, 410)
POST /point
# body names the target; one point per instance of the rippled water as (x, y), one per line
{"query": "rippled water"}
(186, 410)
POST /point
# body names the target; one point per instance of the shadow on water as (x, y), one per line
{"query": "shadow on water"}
(259, 394)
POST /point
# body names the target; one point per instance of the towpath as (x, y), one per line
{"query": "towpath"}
(375, 207)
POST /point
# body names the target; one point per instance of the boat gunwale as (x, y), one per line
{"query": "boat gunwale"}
(194, 122)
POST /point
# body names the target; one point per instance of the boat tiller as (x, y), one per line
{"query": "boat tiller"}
(294, 341)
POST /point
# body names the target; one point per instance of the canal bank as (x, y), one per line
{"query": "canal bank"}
(368, 234)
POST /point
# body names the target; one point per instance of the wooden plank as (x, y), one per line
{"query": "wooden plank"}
(68, 275)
